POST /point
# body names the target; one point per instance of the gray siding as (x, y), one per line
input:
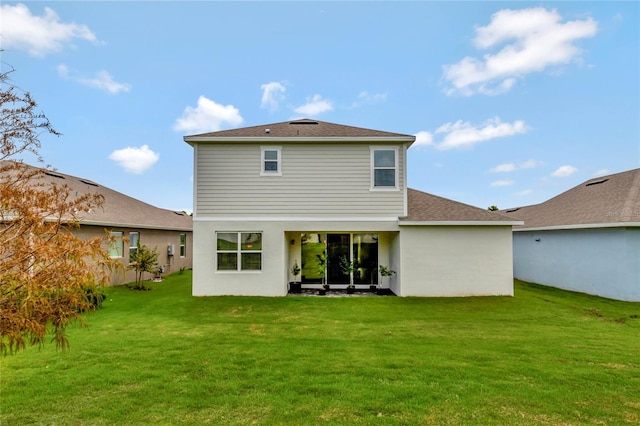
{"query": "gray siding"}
(317, 180)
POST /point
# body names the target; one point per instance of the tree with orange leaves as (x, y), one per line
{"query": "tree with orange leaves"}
(48, 276)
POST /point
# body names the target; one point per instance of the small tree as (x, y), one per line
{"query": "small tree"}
(47, 274)
(493, 208)
(143, 260)
(322, 267)
(295, 270)
(348, 267)
(385, 271)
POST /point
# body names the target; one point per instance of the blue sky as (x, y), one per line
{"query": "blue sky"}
(511, 102)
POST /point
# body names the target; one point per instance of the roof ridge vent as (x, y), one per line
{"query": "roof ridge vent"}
(597, 182)
(513, 210)
(304, 121)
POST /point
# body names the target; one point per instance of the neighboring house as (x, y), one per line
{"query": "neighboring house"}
(268, 196)
(586, 239)
(127, 218)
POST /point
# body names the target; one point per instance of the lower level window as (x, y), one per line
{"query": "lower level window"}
(239, 251)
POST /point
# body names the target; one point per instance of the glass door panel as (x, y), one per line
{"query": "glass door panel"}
(365, 251)
(313, 245)
(338, 245)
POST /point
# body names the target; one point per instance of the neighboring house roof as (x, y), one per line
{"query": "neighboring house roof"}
(605, 201)
(303, 129)
(118, 210)
(427, 208)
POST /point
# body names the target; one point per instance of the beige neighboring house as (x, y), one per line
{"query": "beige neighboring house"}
(586, 239)
(270, 196)
(170, 232)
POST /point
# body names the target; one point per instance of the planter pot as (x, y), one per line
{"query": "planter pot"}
(322, 292)
(373, 287)
(295, 287)
(350, 290)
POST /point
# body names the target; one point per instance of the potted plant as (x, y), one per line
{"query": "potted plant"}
(348, 267)
(385, 271)
(295, 286)
(322, 267)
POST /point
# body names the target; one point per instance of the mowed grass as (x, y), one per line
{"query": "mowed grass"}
(543, 357)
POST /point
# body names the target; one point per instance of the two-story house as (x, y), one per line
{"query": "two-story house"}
(266, 197)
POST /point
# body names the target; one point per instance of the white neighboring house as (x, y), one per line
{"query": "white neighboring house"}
(271, 195)
(586, 239)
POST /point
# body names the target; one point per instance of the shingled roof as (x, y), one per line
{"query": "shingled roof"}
(298, 129)
(119, 210)
(424, 207)
(604, 201)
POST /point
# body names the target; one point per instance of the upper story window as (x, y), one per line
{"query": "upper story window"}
(271, 161)
(384, 168)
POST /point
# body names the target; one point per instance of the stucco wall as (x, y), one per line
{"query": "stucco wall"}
(603, 262)
(151, 238)
(456, 261)
(277, 254)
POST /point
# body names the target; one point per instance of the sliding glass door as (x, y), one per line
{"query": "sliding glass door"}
(363, 247)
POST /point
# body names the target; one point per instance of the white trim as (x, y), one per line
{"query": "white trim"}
(278, 150)
(262, 139)
(581, 226)
(372, 150)
(195, 180)
(294, 219)
(459, 223)
(405, 187)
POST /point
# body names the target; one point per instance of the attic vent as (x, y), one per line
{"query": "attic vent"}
(513, 210)
(597, 182)
(52, 174)
(180, 213)
(88, 182)
(304, 122)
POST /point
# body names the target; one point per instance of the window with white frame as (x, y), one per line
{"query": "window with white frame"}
(134, 239)
(384, 168)
(271, 160)
(116, 245)
(239, 251)
(183, 245)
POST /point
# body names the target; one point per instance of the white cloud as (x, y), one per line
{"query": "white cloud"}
(135, 160)
(512, 167)
(524, 192)
(602, 172)
(366, 98)
(423, 139)
(533, 40)
(39, 35)
(503, 168)
(102, 81)
(207, 116)
(530, 164)
(564, 171)
(503, 182)
(314, 106)
(463, 135)
(272, 95)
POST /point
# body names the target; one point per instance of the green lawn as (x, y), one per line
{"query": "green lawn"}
(543, 357)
